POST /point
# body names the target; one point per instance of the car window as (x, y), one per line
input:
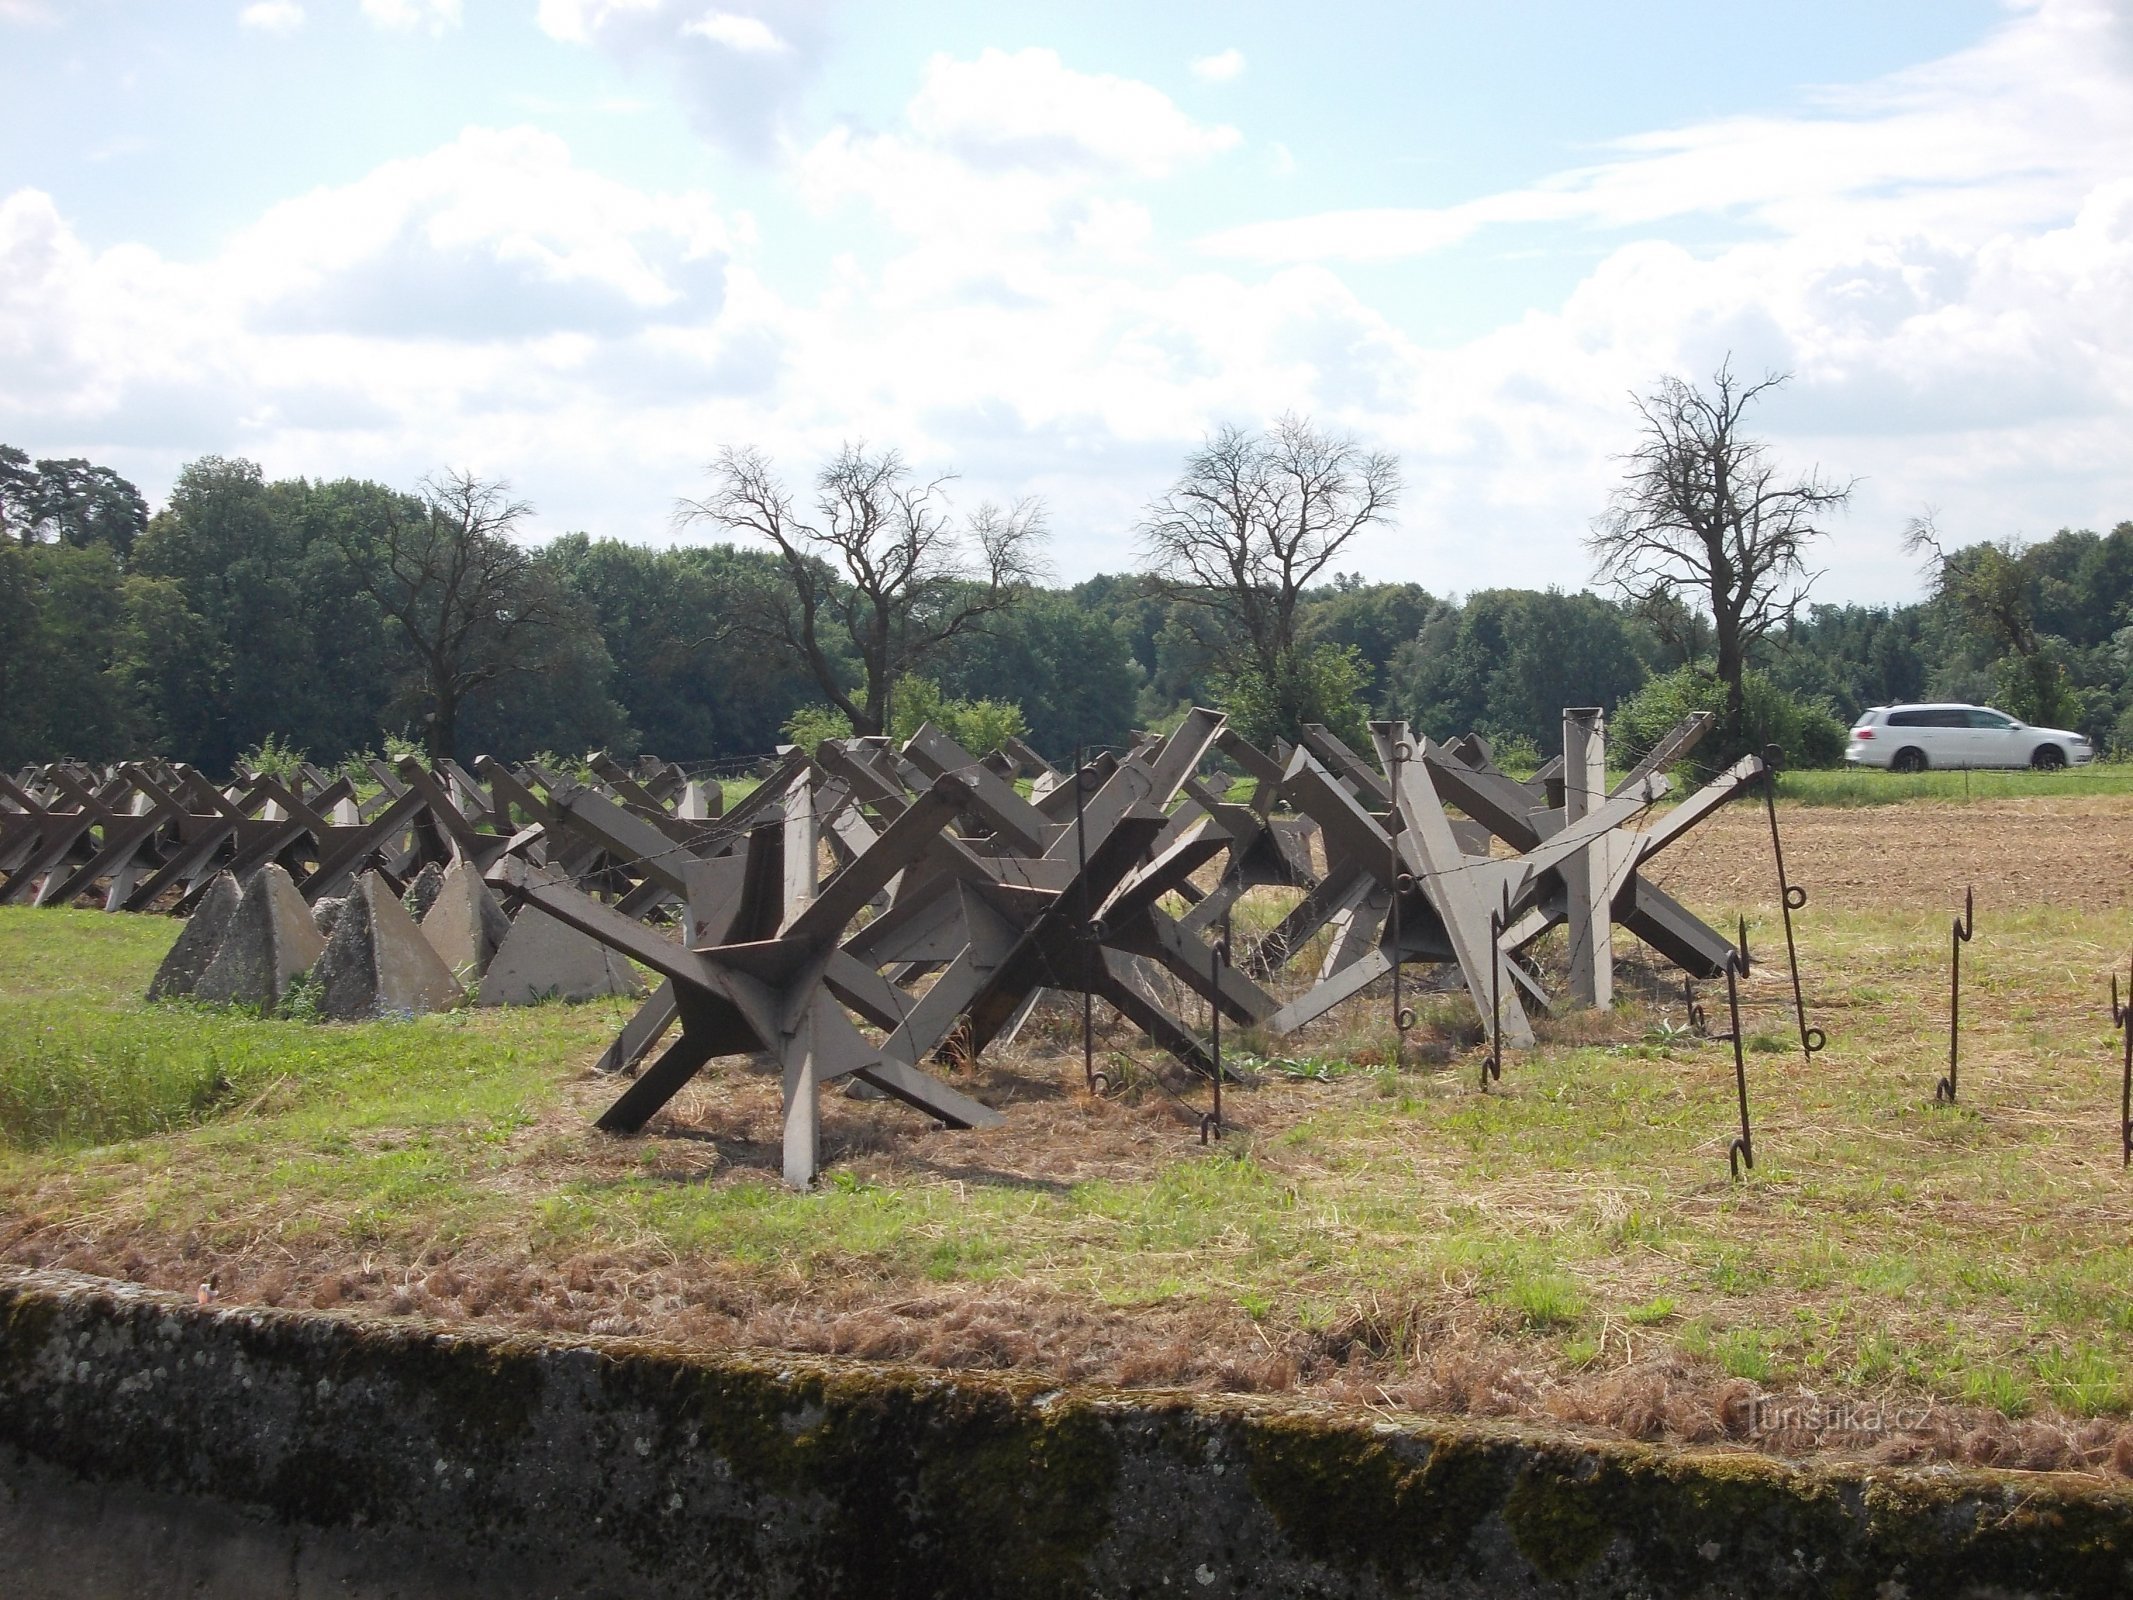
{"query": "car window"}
(1909, 719)
(1990, 719)
(1945, 717)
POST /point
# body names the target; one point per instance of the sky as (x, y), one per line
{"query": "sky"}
(586, 244)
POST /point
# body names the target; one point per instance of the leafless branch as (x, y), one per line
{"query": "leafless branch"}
(1703, 513)
(880, 565)
(1255, 519)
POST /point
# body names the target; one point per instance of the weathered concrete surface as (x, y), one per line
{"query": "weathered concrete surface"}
(541, 959)
(148, 1447)
(198, 941)
(378, 964)
(465, 925)
(269, 941)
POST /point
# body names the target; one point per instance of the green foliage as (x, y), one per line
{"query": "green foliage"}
(275, 757)
(1517, 755)
(979, 726)
(575, 768)
(1507, 662)
(810, 725)
(2036, 689)
(1374, 618)
(1807, 731)
(1313, 683)
(1068, 666)
(231, 625)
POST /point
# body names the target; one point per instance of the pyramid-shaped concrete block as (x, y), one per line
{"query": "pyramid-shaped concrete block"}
(271, 940)
(544, 960)
(467, 925)
(198, 941)
(378, 963)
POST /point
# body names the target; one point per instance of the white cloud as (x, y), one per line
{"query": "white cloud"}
(750, 36)
(577, 21)
(739, 95)
(272, 16)
(1030, 109)
(2011, 132)
(407, 16)
(438, 308)
(1224, 66)
(1962, 340)
(26, 12)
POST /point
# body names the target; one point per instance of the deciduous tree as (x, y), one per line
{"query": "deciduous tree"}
(444, 568)
(1705, 516)
(879, 575)
(1251, 524)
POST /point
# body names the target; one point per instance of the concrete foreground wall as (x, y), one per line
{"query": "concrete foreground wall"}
(151, 1448)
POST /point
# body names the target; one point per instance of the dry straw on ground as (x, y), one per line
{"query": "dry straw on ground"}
(1913, 1282)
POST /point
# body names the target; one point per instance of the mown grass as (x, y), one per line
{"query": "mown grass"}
(1974, 1254)
(85, 1061)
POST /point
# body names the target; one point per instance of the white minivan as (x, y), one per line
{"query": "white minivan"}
(1913, 738)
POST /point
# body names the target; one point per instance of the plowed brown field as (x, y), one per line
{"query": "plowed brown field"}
(2076, 854)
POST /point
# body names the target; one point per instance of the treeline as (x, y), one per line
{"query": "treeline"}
(321, 615)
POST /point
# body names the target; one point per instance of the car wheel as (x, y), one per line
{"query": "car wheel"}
(1909, 759)
(2048, 758)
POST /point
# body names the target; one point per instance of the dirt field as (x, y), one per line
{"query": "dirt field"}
(2074, 853)
(1913, 1281)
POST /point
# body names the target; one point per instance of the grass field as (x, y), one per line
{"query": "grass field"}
(1569, 1246)
(1866, 786)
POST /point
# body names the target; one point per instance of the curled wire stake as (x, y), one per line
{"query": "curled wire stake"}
(1499, 919)
(2122, 1015)
(1699, 1024)
(1742, 1151)
(1965, 925)
(1218, 958)
(1791, 898)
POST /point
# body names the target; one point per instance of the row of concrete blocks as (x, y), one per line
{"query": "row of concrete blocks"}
(366, 955)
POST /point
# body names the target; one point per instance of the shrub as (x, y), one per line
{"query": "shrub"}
(1318, 683)
(1806, 729)
(274, 757)
(979, 726)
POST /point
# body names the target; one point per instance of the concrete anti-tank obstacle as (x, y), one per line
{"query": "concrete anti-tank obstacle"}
(466, 924)
(543, 959)
(326, 913)
(422, 893)
(198, 941)
(379, 964)
(271, 939)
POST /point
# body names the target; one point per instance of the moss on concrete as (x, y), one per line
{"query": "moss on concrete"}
(616, 1468)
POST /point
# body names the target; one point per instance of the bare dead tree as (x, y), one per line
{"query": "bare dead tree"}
(1704, 516)
(1252, 522)
(881, 567)
(471, 608)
